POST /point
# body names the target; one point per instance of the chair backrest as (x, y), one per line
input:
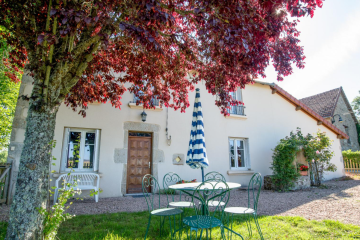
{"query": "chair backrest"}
(215, 191)
(151, 191)
(254, 189)
(79, 179)
(169, 179)
(214, 175)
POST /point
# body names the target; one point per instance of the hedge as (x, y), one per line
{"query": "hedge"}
(350, 155)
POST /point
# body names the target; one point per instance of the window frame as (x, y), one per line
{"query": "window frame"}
(83, 131)
(246, 153)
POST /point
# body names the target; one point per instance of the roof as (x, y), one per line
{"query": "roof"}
(303, 107)
(325, 103)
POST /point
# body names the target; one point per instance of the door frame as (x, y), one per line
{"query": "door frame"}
(128, 155)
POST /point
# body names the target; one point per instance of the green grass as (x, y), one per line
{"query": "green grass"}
(126, 226)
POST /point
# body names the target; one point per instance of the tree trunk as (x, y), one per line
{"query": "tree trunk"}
(32, 183)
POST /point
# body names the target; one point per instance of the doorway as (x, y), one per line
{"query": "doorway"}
(139, 161)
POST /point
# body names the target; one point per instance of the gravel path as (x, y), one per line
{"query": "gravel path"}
(339, 201)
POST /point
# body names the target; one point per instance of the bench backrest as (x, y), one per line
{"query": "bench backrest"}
(82, 179)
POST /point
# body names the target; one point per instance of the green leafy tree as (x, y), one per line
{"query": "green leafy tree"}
(9, 91)
(356, 106)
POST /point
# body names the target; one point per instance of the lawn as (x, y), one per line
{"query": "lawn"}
(124, 225)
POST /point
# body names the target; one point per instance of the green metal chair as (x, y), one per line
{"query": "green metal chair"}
(172, 178)
(151, 190)
(211, 176)
(214, 175)
(254, 189)
(213, 190)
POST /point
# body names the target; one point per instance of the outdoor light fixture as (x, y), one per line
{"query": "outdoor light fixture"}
(333, 118)
(143, 116)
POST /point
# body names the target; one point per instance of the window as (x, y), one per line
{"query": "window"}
(154, 100)
(80, 150)
(348, 133)
(238, 151)
(237, 110)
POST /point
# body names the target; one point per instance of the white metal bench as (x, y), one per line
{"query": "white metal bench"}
(85, 181)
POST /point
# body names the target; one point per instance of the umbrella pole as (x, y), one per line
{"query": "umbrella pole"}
(202, 173)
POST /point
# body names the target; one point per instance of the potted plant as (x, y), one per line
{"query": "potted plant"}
(303, 170)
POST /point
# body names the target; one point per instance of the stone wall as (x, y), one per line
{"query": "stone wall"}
(18, 131)
(303, 182)
(342, 109)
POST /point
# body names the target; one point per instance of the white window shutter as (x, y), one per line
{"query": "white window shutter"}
(65, 149)
(96, 149)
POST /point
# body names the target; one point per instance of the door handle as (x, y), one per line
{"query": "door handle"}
(149, 164)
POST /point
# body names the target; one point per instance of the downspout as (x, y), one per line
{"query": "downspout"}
(168, 138)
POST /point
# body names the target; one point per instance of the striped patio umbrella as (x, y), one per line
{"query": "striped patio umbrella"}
(196, 155)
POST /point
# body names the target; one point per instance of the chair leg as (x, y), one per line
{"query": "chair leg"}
(248, 224)
(258, 226)
(147, 229)
(171, 233)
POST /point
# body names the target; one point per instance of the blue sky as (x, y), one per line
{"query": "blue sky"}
(331, 41)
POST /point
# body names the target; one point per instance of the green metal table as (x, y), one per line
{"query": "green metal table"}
(187, 188)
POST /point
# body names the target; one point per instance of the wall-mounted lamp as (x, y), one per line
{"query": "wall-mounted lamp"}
(333, 118)
(143, 116)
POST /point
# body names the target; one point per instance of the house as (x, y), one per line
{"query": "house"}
(121, 148)
(334, 106)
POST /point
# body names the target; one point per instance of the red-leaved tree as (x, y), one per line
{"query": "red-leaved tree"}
(75, 51)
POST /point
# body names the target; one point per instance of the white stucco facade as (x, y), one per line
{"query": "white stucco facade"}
(269, 118)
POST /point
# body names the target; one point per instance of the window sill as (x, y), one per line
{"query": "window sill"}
(235, 116)
(134, 106)
(240, 172)
(57, 174)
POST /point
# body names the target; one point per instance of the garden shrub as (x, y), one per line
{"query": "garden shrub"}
(317, 150)
(350, 155)
(285, 173)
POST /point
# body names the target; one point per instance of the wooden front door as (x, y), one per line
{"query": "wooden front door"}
(139, 161)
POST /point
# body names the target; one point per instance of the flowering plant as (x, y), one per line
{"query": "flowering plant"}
(184, 181)
(304, 168)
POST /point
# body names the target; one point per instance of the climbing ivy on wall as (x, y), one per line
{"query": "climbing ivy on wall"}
(284, 171)
(317, 150)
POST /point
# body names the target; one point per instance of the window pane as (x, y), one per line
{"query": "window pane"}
(88, 156)
(73, 155)
(240, 155)
(232, 153)
(90, 138)
(240, 144)
(74, 137)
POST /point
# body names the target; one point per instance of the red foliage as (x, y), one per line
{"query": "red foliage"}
(157, 43)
